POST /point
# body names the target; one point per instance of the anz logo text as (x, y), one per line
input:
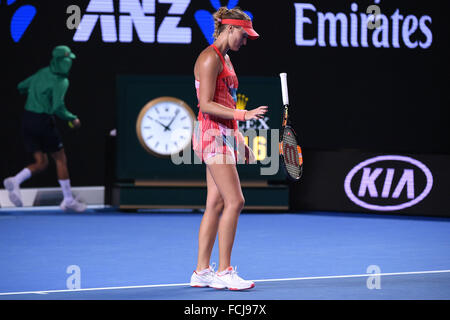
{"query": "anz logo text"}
(139, 15)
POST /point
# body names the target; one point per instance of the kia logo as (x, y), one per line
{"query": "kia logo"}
(387, 183)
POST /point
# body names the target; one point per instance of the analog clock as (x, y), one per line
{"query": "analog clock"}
(165, 126)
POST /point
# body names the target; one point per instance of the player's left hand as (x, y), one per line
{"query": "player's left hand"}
(249, 155)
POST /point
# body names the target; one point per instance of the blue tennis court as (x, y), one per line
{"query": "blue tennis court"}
(105, 254)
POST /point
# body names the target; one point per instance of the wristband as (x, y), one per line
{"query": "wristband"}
(239, 114)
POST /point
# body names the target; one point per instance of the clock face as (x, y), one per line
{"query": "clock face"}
(165, 126)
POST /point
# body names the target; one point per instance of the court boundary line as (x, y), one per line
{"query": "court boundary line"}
(261, 280)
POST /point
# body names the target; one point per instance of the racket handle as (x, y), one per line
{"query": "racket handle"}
(284, 88)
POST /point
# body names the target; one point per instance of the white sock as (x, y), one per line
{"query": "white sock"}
(66, 190)
(221, 273)
(22, 175)
(202, 272)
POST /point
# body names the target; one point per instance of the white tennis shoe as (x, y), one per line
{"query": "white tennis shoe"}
(230, 279)
(202, 278)
(73, 205)
(13, 191)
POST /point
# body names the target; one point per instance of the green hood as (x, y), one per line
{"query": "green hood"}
(61, 65)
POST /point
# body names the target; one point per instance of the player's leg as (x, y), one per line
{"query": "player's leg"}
(210, 222)
(62, 172)
(203, 276)
(40, 136)
(226, 179)
(34, 127)
(40, 162)
(12, 184)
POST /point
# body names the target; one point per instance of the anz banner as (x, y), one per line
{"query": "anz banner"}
(363, 25)
(128, 21)
(133, 14)
(351, 28)
(117, 26)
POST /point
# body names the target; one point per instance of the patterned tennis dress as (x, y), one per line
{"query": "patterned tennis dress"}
(214, 135)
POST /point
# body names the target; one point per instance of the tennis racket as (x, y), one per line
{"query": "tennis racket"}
(290, 151)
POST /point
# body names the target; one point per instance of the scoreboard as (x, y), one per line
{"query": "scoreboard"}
(182, 175)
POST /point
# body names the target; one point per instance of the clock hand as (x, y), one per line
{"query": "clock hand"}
(165, 127)
(171, 121)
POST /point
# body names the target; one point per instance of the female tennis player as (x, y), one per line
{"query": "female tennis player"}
(216, 141)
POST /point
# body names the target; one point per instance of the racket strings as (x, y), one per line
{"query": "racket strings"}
(291, 153)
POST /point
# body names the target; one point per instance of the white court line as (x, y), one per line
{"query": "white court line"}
(356, 275)
(261, 280)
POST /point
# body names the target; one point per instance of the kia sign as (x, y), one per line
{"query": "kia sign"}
(377, 183)
(388, 183)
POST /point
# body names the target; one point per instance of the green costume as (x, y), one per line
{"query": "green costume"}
(47, 88)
